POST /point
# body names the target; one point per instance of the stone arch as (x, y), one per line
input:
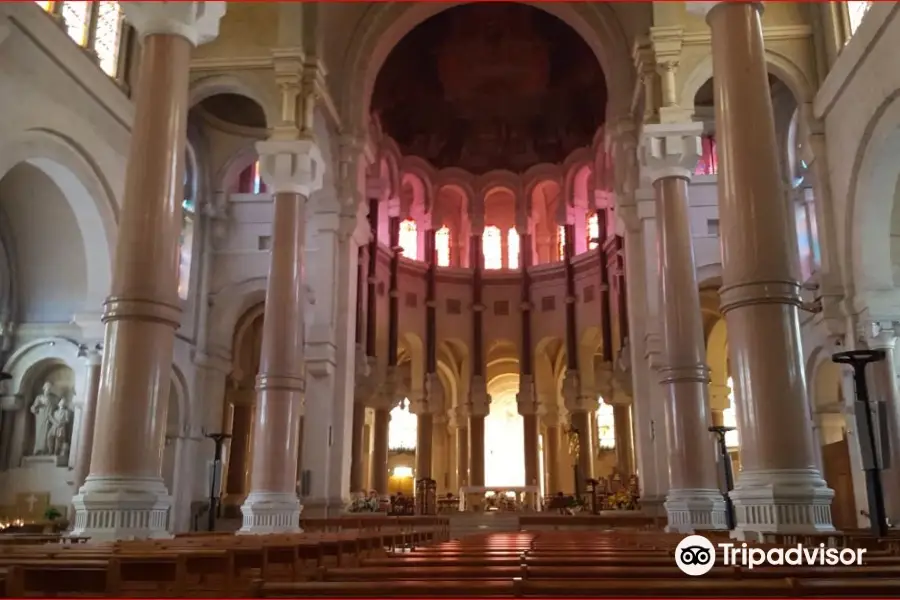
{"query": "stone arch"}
(415, 352)
(214, 85)
(85, 189)
(777, 64)
(871, 202)
(385, 25)
(228, 305)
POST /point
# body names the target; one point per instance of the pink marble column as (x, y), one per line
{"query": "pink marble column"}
(669, 153)
(883, 336)
(93, 359)
(779, 488)
(379, 477)
(292, 171)
(124, 495)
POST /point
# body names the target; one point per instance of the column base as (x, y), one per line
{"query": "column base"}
(122, 508)
(271, 512)
(695, 510)
(781, 501)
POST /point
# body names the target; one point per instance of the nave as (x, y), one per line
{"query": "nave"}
(414, 557)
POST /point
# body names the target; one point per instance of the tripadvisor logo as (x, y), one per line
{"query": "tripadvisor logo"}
(695, 555)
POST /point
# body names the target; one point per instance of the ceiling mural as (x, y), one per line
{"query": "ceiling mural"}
(491, 86)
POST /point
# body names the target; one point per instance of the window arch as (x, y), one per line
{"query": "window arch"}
(492, 248)
(250, 180)
(402, 428)
(409, 239)
(512, 248)
(442, 246)
(606, 425)
(856, 11)
(709, 161)
(95, 26)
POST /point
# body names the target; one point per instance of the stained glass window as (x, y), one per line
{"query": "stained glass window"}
(593, 231)
(512, 245)
(729, 418)
(257, 179)
(186, 248)
(856, 12)
(709, 161)
(442, 246)
(409, 239)
(402, 428)
(108, 35)
(561, 237)
(492, 248)
(76, 16)
(606, 425)
(47, 6)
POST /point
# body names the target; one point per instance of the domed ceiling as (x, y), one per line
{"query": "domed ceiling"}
(491, 86)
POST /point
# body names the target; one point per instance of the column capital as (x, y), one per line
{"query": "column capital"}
(92, 354)
(198, 22)
(291, 166)
(526, 399)
(719, 396)
(479, 401)
(670, 150)
(879, 335)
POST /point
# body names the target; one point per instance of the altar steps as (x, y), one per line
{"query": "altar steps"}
(464, 524)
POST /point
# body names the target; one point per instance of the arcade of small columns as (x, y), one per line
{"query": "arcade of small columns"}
(779, 486)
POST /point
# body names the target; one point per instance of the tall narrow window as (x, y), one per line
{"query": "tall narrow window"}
(856, 11)
(561, 237)
(409, 239)
(442, 246)
(77, 16)
(257, 179)
(512, 248)
(709, 162)
(250, 180)
(492, 248)
(729, 419)
(606, 426)
(108, 35)
(593, 231)
(186, 242)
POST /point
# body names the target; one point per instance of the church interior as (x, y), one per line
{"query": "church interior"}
(351, 292)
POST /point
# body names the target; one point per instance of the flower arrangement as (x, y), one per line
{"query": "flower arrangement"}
(621, 500)
(364, 504)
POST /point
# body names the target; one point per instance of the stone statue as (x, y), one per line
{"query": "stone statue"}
(41, 409)
(58, 434)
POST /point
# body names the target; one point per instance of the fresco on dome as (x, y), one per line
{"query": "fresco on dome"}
(491, 86)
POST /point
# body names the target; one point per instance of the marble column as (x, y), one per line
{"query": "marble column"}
(379, 476)
(528, 408)
(479, 401)
(882, 336)
(624, 439)
(93, 359)
(551, 447)
(669, 153)
(424, 429)
(237, 482)
(358, 452)
(779, 488)
(292, 171)
(462, 448)
(124, 495)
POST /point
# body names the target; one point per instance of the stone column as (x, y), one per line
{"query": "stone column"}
(379, 476)
(477, 409)
(124, 495)
(420, 406)
(462, 448)
(292, 171)
(581, 410)
(358, 453)
(624, 439)
(237, 482)
(93, 358)
(779, 488)
(528, 408)
(883, 336)
(669, 154)
(551, 446)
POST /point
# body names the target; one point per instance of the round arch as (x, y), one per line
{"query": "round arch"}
(89, 196)
(207, 87)
(384, 25)
(229, 305)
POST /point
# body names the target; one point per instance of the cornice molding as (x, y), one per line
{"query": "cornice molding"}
(776, 33)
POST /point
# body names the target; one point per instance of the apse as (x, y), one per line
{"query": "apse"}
(491, 86)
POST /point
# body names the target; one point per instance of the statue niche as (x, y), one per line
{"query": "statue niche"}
(52, 424)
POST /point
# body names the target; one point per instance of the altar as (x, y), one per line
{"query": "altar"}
(525, 498)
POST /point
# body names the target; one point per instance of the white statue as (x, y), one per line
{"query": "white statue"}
(41, 409)
(58, 434)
